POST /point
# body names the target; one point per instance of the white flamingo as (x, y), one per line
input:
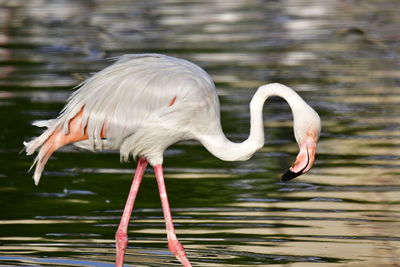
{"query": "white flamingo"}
(142, 104)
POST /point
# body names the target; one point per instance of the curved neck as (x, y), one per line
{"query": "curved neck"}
(224, 149)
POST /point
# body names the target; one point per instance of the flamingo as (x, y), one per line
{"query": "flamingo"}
(144, 103)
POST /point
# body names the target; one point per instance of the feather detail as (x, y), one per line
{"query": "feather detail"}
(44, 151)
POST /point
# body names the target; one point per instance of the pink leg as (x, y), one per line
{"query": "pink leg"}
(121, 236)
(173, 244)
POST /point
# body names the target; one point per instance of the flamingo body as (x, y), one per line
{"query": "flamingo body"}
(144, 103)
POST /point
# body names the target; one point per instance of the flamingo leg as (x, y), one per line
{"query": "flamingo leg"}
(121, 237)
(173, 244)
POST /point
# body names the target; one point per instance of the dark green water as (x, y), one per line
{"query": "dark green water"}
(341, 56)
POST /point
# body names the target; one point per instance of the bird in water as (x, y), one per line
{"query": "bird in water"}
(144, 103)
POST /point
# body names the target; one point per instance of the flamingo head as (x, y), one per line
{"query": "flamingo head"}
(307, 128)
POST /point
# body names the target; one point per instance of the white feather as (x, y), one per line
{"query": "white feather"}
(131, 99)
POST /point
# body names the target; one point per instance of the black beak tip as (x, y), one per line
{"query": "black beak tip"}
(289, 175)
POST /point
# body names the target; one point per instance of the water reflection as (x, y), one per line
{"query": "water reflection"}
(341, 55)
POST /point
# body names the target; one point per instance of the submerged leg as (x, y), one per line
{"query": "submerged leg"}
(121, 236)
(173, 244)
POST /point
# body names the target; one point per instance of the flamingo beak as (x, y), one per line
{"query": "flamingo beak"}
(304, 160)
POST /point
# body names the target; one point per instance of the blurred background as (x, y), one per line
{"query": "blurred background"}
(342, 56)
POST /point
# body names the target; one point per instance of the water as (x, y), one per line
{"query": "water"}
(342, 57)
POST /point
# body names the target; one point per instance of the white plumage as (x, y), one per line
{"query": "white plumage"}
(131, 99)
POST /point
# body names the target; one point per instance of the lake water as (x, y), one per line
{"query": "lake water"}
(342, 56)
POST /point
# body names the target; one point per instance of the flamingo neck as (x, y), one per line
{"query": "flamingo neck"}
(222, 148)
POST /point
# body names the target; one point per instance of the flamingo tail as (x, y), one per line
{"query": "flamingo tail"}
(45, 144)
(52, 139)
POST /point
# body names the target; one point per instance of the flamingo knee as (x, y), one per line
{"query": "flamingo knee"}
(176, 248)
(121, 240)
